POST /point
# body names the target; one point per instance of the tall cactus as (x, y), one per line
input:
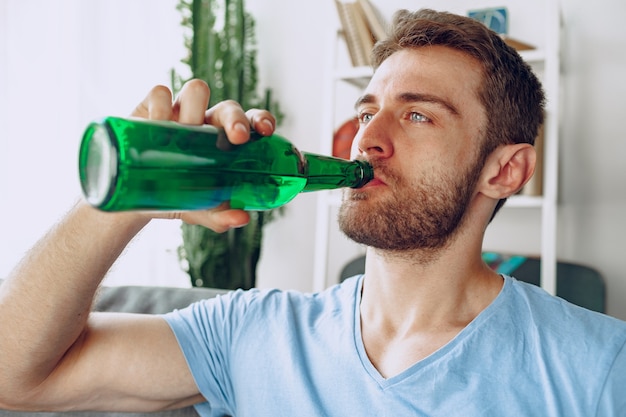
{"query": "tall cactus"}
(222, 51)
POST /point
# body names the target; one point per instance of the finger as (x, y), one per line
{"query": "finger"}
(157, 104)
(192, 102)
(261, 121)
(219, 219)
(229, 115)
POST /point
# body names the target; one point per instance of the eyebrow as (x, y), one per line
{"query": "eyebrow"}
(412, 98)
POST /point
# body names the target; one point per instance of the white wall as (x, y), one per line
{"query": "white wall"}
(63, 63)
(592, 215)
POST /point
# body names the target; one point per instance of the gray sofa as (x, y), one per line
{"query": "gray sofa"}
(135, 299)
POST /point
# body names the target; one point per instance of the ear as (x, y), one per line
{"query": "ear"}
(507, 169)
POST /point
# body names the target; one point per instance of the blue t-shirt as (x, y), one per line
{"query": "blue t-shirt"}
(274, 353)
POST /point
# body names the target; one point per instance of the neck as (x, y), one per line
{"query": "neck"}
(414, 302)
(422, 289)
(409, 311)
(450, 289)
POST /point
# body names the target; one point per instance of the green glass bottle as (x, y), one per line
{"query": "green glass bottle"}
(137, 164)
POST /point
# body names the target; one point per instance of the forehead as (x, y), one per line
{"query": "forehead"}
(434, 70)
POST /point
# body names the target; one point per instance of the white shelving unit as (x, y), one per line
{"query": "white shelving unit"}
(345, 83)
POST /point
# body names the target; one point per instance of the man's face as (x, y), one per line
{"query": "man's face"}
(421, 128)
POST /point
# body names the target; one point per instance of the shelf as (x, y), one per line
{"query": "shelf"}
(357, 76)
(524, 201)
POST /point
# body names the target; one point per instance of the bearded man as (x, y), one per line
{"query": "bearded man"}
(448, 123)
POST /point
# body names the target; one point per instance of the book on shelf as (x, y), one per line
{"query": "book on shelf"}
(361, 27)
(350, 34)
(364, 35)
(374, 20)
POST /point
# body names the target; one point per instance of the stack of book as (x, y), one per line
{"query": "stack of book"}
(361, 27)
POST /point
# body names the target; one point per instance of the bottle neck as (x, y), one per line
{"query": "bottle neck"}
(327, 173)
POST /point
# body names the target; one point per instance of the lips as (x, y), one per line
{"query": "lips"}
(374, 182)
(381, 172)
(379, 175)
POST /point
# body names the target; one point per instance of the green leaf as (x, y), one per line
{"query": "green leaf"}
(222, 50)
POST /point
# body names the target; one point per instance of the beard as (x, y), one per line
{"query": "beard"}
(420, 215)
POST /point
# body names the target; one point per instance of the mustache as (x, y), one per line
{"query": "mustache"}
(383, 170)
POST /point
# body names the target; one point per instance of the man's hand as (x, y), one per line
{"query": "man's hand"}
(54, 353)
(190, 108)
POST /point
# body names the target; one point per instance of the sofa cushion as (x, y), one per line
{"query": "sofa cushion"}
(150, 300)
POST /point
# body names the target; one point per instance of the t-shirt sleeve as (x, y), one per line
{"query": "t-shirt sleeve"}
(613, 399)
(205, 331)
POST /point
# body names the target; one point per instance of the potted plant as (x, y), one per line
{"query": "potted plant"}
(222, 51)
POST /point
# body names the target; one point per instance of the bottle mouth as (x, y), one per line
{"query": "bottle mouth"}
(367, 173)
(97, 164)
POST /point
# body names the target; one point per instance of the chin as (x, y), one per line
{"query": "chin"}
(357, 194)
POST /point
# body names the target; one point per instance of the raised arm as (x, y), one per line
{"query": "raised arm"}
(54, 353)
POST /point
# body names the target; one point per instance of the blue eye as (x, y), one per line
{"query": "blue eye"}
(365, 117)
(418, 117)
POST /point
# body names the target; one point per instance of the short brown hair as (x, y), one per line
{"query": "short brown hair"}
(511, 93)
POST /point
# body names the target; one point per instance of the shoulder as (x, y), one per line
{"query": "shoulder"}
(238, 317)
(561, 324)
(552, 309)
(270, 304)
(275, 301)
(566, 346)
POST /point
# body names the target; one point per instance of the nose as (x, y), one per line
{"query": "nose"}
(373, 139)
